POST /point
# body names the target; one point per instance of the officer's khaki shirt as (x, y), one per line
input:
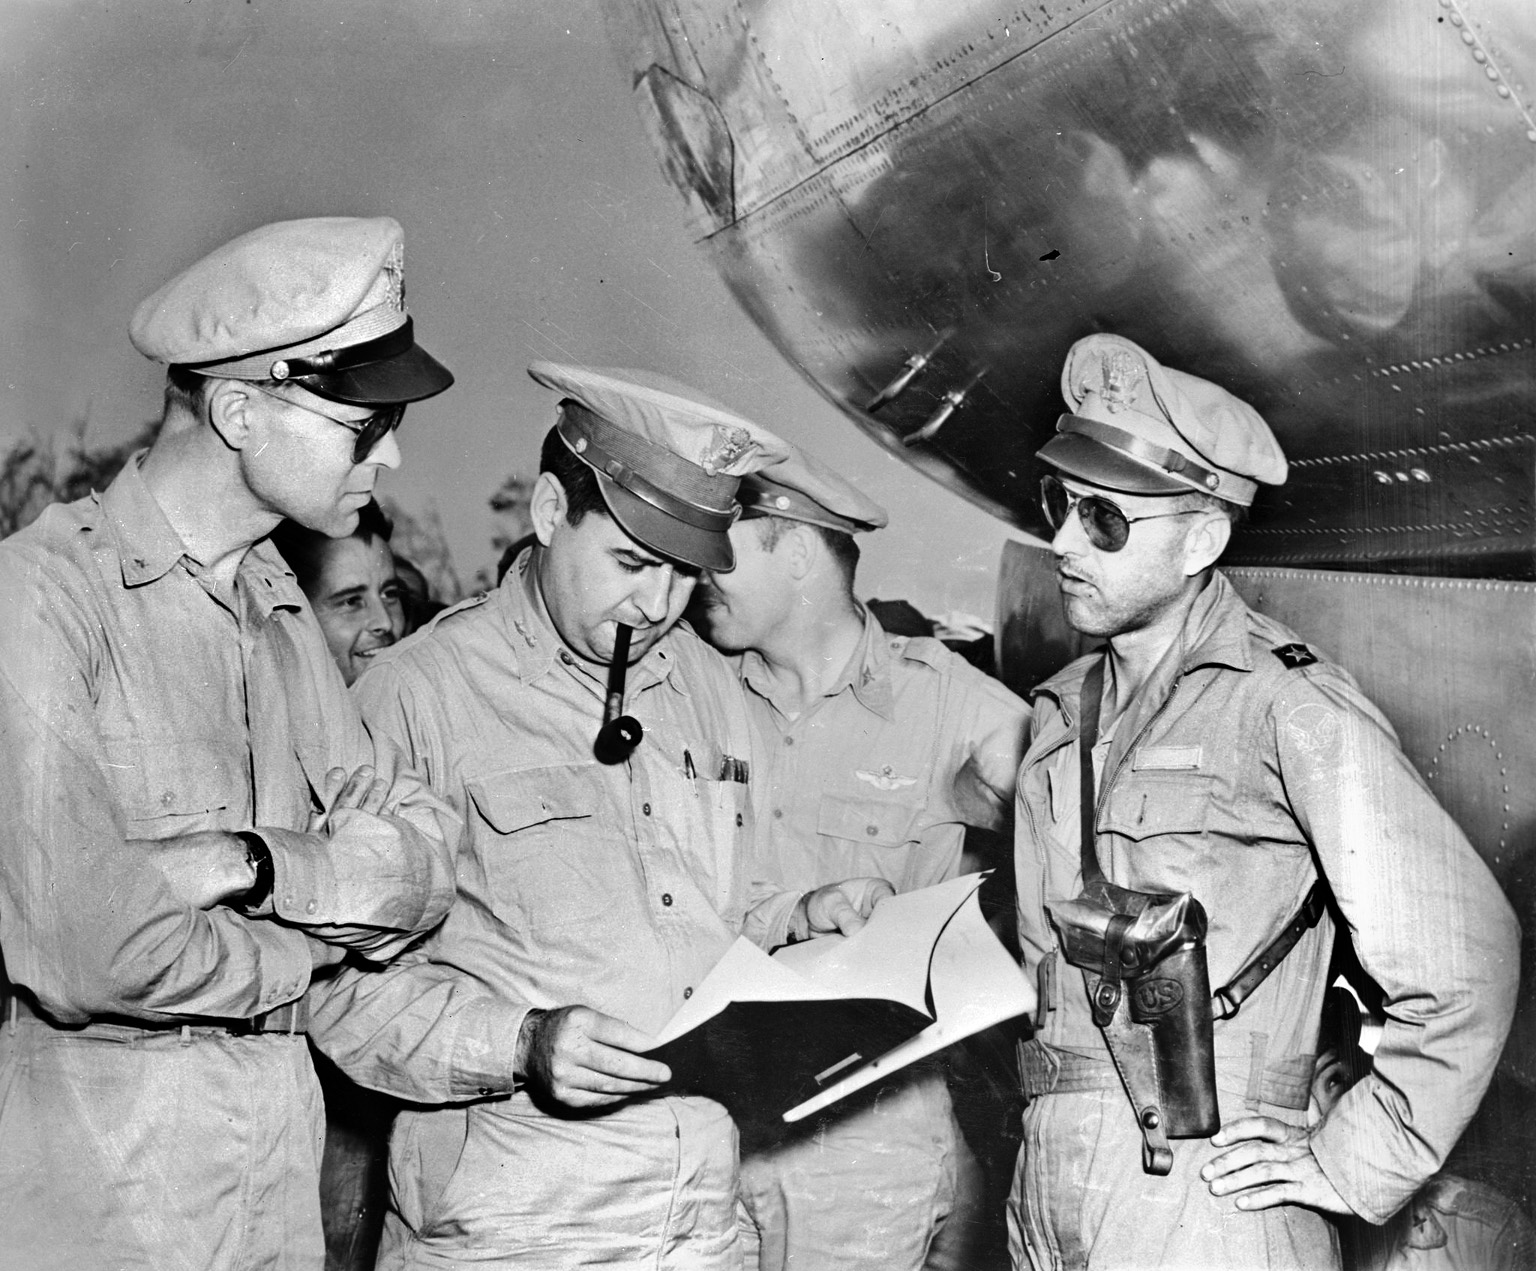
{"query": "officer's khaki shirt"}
(880, 777)
(135, 705)
(611, 886)
(1246, 765)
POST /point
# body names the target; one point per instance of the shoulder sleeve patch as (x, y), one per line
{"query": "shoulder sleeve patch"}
(1314, 730)
(1294, 655)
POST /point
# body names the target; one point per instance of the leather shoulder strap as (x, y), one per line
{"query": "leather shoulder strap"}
(1087, 739)
(1236, 991)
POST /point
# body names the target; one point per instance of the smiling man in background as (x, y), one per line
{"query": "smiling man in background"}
(196, 818)
(351, 585)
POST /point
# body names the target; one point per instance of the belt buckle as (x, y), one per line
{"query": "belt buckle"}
(287, 1018)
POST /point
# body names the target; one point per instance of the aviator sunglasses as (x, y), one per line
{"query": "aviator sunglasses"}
(1105, 524)
(367, 432)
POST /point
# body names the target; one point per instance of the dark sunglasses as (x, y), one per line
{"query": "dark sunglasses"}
(367, 432)
(1106, 525)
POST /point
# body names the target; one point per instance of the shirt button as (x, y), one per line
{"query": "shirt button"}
(566, 657)
(687, 993)
(311, 907)
(486, 1091)
(666, 898)
(778, 814)
(871, 830)
(738, 820)
(646, 808)
(789, 741)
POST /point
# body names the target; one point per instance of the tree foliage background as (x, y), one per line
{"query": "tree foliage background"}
(41, 469)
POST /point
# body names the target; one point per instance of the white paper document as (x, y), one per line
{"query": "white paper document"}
(821, 1019)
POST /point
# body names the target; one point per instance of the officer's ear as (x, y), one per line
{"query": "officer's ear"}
(1205, 540)
(547, 506)
(800, 545)
(229, 405)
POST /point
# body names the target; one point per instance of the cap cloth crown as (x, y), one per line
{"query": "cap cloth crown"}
(668, 459)
(1141, 427)
(802, 488)
(320, 302)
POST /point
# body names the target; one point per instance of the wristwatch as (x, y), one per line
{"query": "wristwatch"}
(259, 857)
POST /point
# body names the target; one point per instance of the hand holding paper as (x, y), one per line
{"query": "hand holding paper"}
(826, 1017)
(584, 1059)
(844, 907)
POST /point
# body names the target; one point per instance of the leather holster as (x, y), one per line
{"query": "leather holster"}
(1143, 961)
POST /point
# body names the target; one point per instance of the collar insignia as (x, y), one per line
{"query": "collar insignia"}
(1295, 655)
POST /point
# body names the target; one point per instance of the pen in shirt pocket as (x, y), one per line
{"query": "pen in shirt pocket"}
(689, 770)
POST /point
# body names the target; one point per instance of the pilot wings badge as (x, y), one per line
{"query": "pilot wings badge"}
(885, 779)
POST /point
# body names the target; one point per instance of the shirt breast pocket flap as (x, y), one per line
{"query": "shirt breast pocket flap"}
(543, 871)
(513, 801)
(1149, 802)
(170, 781)
(884, 822)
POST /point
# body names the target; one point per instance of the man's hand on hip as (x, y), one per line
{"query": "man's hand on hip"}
(1271, 1165)
(585, 1059)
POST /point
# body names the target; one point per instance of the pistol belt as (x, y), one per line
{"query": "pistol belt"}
(1285, 1083)
(291, 1017)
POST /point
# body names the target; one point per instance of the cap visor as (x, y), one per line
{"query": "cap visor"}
(407, 377)
(1089, 460)
(666, 535)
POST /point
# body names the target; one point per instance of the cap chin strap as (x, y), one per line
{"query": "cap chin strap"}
(1222, 485)
(376, 336)
(329, 361)
(590, 452)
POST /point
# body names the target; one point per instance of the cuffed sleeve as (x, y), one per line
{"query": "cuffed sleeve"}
(373, 885)
(371, 882)
(770, 916)
(419, 1030)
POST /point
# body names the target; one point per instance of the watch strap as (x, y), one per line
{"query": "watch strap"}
(260, 857)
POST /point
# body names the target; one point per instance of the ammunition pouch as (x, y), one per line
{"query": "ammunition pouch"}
(1142, 956)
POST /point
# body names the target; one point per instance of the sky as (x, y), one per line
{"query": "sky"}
(141, 134)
